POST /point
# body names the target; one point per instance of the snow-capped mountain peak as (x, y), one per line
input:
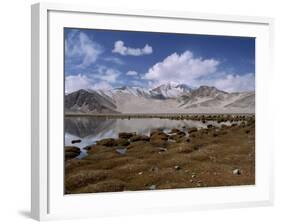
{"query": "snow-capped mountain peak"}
(164, 91)
(170, 90)
(132, 90)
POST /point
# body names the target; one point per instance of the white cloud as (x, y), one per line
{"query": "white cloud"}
(103, 78)
(80, 50)
(195, 71)
(181, 68)
(132, 73)
(102, 85)
(234, 83)
(106, 74)
(137, 83)
(120, 48)
(77, 82)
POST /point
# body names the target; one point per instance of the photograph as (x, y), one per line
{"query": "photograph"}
(148, 111)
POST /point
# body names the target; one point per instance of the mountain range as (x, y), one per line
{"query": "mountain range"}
(166, 98)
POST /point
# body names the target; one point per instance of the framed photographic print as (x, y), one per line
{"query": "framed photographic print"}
(148, 111)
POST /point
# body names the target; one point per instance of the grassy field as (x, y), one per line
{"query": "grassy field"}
(215, 156)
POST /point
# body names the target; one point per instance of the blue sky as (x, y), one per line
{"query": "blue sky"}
(104, 59)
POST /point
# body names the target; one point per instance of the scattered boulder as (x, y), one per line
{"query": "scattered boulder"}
(181, 134)
(193, 135)
(222, 120)
(204, 131)
(138, 145)
(139, 138)
(157, 132)
(162, 149)
(88, 147)
(175, 131)
(159, 138)
(72, 149)
(177, 167)
(158, 142)
(122, 142)
(71, 152)
(191, 130)
(210, 126)
(97, 148)
(107, 142)
(126, 135)
(70, 155)
(236, 172)
(178, 136)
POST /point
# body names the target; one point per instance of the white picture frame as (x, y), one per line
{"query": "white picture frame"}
(48, 201)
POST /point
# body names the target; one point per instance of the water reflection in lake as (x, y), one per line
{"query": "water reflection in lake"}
(92, 129)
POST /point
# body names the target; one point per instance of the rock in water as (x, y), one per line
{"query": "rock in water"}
(75, 141)
(210, 126)
(175, 131)
(71, 149)
(126, 135)
(177, 137)
(71, 152)
(191, 130)
(70, 155)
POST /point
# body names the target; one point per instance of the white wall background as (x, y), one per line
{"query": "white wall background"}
(15, 110)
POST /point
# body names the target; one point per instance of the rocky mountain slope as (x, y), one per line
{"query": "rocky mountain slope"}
(89, 101)
(166, 98)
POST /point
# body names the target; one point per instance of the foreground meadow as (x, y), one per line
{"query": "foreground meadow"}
(221, 155)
